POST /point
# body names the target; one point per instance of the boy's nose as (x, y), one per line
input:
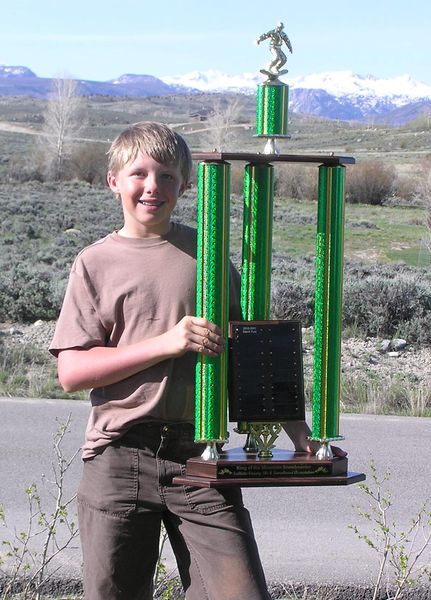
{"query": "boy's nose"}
(150, 184)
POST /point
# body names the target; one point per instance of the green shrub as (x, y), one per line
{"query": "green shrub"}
(293, 300)
(370, 182)
(379, 300)
(389, 306)
(29, 293)
(296, 181)
(25, 168)
(88, 163)
(41, 231)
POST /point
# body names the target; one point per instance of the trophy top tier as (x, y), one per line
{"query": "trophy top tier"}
(273, 94)
(276, 38)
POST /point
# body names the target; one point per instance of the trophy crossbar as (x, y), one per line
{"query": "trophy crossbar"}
(329, 160)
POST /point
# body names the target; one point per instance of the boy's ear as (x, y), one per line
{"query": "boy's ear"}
(112, 181)
(183, 188)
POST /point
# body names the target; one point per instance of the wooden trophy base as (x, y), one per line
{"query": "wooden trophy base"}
(237, 468)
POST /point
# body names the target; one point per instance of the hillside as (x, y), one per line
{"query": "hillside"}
(387, 282)
(21, 119)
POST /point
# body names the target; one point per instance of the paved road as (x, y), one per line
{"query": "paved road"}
(302, 533)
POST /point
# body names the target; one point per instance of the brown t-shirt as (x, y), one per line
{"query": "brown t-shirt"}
(122, 291)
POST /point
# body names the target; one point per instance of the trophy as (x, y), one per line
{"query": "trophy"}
(261, 374)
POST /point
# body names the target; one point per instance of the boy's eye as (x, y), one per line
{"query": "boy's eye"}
(168, 177)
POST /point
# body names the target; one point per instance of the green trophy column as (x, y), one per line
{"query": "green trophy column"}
(328, 305)
(257, 242)
(272, 109)
(256, 248)
(212, 301)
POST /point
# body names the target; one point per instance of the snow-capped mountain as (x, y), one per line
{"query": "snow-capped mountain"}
(346, 83)
(215, 81)
(336, 83)
(8, 72)
(332, 94)
(335, 95)
(345, 95)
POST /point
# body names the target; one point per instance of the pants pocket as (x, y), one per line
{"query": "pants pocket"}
(208, 501)
(110, 481)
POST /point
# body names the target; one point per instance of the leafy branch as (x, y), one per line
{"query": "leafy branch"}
(21, 564)
(401, 550)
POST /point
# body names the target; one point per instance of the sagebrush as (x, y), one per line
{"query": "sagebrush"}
(44, 226)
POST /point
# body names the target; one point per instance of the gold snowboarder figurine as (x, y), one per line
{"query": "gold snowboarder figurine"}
(276, 38)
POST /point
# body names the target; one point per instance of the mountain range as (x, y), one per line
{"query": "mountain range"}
(334, 95)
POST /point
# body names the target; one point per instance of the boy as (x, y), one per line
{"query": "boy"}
(127, 331)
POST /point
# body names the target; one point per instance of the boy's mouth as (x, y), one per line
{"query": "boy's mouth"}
(151, 202)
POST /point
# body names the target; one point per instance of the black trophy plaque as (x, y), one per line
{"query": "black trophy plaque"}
(266, 386)
(266, 382)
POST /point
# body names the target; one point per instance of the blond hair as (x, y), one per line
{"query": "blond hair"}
(156, 140)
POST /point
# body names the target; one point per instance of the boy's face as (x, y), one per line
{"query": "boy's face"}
(149, 193)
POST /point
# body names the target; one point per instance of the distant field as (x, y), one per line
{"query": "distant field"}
(373, 234)
(21, 118)
(44, 224)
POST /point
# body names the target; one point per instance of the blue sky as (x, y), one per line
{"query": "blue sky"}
(91, 39)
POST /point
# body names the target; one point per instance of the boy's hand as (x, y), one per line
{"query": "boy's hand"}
(312, 447)
(298, 431)
(195, 334)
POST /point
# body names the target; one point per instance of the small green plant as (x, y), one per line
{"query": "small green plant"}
(403, 552)
(163, 581)
(24, 568)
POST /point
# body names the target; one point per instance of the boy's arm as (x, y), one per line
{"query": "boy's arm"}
(298, 431)
(80, 368)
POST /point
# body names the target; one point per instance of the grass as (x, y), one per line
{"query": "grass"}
(385, 395)
(374, 234)
(27, 371)
(395, 237)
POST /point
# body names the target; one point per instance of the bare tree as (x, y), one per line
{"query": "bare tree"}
(63, 120)
(221, 125)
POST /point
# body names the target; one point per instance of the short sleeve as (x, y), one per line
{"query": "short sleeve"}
(79, 325)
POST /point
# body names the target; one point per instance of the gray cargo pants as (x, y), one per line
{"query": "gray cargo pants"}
(125, 494)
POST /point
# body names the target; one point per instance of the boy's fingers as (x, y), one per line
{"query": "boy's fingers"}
(208, 334)
(213, 337)
(206, 325)
(339, 452)
(207, 342)
(205, 350)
